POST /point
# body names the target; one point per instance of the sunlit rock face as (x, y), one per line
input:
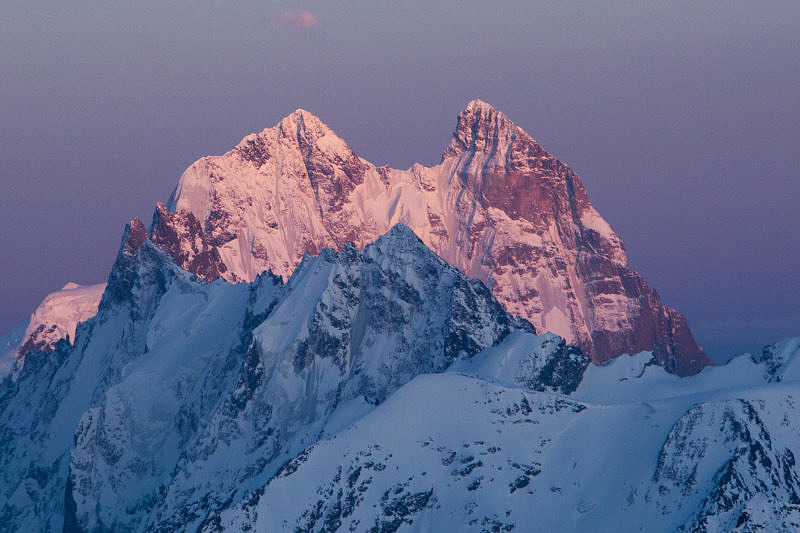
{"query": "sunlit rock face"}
(498, 207)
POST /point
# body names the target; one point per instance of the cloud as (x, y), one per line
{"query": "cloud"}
(289, 19)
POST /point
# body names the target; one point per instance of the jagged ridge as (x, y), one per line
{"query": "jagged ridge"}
(175, 377)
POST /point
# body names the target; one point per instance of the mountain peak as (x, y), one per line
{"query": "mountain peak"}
(478, 104)
(300, 131)
(134, 235)
(401, 233)
(58, 315)
(483, 128)
(304, 123)
(400, 245)
(300, 124)
(479, 113)
(301, 115)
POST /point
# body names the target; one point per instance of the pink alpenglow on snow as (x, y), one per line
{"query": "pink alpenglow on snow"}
(498, 207)
(56, 318)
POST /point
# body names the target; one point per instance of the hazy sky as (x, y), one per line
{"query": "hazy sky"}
(682, 118)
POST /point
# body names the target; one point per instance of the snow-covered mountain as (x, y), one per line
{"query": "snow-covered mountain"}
(375, 366)
(56, 318)
(375, 390)
(498, 207)
(180, 393)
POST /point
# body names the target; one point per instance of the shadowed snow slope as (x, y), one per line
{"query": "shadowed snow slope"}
(377, 390)
(186, 392)
(633, 449)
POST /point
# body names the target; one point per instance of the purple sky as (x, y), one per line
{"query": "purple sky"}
(682, 120)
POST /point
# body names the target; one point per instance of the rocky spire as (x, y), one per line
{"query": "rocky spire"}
(482, 129)
(122, 276)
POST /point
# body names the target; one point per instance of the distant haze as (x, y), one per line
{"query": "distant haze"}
(683, 121)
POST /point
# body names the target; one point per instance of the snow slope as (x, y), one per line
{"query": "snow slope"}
(461, 452)
(376, 390)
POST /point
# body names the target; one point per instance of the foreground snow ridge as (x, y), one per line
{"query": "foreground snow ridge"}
(377, 390)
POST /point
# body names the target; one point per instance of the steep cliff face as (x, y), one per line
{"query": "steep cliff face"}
(498, 207)
(41, 406)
